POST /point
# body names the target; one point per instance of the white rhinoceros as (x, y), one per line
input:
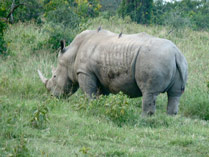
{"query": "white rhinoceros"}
(102, 62)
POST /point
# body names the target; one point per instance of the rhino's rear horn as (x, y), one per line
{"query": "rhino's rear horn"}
(43, 79)
(62, 44)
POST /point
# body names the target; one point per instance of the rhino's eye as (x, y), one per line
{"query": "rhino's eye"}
(55, 76)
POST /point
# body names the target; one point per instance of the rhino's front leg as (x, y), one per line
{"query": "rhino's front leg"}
(88, 84)
(173, 102)
(148, 104)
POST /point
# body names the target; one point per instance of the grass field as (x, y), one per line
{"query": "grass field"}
(32, 123)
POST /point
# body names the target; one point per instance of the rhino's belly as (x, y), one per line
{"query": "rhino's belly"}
(125, 83)
(127, 87)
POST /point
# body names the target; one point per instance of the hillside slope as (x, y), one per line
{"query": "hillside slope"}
(32, 123)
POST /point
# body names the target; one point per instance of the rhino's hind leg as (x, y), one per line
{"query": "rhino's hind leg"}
(174, 94)
(173, 102)
(148, 104)
(88, 84)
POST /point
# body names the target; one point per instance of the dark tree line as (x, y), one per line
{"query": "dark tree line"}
(192, 13)
(139, 10)
(60, 15)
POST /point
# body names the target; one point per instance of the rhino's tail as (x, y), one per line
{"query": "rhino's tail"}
(182, 67)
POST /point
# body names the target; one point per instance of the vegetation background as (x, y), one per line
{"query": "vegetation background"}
(34, 124)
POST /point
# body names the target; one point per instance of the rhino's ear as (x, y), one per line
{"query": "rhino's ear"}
(62, 44)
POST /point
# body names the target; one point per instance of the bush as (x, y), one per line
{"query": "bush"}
(2, 42)
(62, 19)
(88, 8)
(57, 32)
(63, 15)
(3, 26)
(25, 38)
(139, 10)
(176, 21)
(193, 14)
(116, 108)
(40, 117)
(110, 6)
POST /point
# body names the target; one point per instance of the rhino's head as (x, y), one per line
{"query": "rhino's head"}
(60, 83)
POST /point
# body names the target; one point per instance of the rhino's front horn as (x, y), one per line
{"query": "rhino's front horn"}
(43, 79)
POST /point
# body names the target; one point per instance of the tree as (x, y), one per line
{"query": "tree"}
(139, 10)
(12, 11)
(62, 17)
(178, 14)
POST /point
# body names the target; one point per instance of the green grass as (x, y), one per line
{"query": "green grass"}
(32, 123)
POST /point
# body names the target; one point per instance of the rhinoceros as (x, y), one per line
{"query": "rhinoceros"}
(102, 62)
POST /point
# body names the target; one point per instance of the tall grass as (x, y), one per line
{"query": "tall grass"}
(25, 39)
(34, 124)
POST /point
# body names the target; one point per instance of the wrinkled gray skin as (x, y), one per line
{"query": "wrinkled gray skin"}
(101, 62)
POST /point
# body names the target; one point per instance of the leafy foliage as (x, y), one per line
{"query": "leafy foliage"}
(88, 8)
(29, 10)
(139, 10)
(70, 11)
(30, 35)
(40, 116)
(62, 18)
(59, 17)
(3, 24)
(58, 32)
(114, 107)
(177, 14)
(110, 6)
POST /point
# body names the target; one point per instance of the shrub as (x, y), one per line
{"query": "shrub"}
(62, 19)
(176, 21)
(57, 32)
(25, 38)
(88, 8)
(139, 10)
(2, 42)
(116, 108)
(110, 6)
(63, 15)
(3, 25)
(40, 116)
